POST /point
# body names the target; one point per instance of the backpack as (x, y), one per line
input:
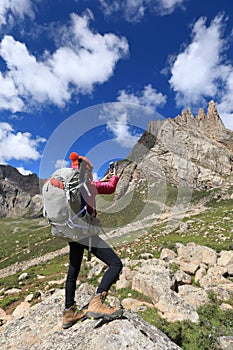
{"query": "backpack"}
(65, 196)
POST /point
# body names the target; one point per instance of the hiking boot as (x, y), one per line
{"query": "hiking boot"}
(71, 316)
(97, 309)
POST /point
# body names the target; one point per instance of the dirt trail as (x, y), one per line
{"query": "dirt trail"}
(143, 224)
(11, 270)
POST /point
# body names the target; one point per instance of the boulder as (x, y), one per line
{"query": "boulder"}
(41, 329)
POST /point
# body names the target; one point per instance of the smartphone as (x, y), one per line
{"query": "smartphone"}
(112, 166)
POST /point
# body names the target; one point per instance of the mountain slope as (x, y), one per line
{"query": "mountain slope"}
(195, 152)
(19, 194)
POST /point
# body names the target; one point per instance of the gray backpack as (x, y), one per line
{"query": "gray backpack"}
(64, 202)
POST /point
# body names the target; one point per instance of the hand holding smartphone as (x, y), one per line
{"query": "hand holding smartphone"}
(112, 167)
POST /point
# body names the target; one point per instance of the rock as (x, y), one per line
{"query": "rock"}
(40, 277)
(229, 269)
(153, 281)
(223, 291)
(122, 283)
(12, 291)
(57, 282)
(23, 276)
(96, 270)
(21, 309)
(29, 298)
(146, 256)
(197, 254)
(193, 295)
(134, 304)
(226, 307)
(157, 282)
(127, 273)
(214, 277)
(189, 267)
(41, 329)
(225, 343)
(167, 254)
(4, 317)
(201, 272)
(182, 277)
(226, 260)
(174, 308)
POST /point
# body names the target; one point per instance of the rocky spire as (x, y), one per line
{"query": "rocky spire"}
(201, 115)
(213, 115)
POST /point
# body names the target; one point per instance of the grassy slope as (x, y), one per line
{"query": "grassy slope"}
(213, 228)
(23, 239)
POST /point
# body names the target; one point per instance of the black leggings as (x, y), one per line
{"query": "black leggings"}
(103, 252)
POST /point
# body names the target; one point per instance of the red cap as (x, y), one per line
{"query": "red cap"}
(74, 158)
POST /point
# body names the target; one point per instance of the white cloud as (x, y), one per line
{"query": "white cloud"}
(117, 118)
(135, 10)
(202, 71)
(61, 163)
(129, 110)
(118, 125)
(168, 6)
(24, 171)
(11, 10)
(196, 70)
(31, 78)
(9, 95)
(17, 145)
(90, 57)
(225, 105)
(86, 58)
(148, 97)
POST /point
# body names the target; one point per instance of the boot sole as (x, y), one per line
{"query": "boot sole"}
(68, 325)
(107, 317)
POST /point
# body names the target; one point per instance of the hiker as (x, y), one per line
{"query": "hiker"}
(96, 307)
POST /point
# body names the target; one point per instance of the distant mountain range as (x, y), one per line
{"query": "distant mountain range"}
(189, 151)
(19, 194)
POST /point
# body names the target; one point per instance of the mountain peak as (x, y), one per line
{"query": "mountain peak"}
(194, 150)
(210, 122)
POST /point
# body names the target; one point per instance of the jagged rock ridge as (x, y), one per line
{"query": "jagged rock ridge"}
(185, 151)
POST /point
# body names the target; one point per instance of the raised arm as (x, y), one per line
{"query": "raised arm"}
(108, 187)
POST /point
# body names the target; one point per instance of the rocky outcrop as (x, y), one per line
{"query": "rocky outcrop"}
(39, 328)
(19, 194)
(168, 280)
(195, 152)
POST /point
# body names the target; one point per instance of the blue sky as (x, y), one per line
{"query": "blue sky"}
(87, 76)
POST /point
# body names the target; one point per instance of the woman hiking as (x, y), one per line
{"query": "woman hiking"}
(96, 307)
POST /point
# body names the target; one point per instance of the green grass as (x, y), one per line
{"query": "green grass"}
(128, 292)
(24, 239)
(132, 206)
(213, 323)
